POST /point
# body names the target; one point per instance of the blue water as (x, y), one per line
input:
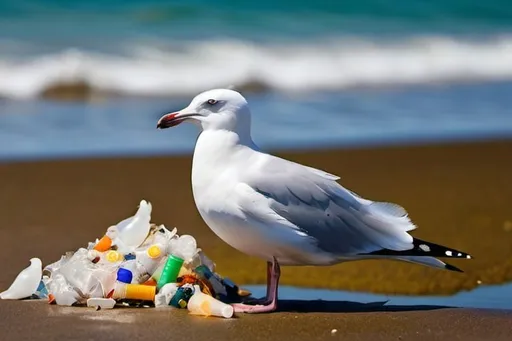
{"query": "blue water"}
(486, 297)
(337, 72)
(37, 129)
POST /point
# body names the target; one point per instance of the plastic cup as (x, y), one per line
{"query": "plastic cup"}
(104, 244)
(206, 305)
(170, 271)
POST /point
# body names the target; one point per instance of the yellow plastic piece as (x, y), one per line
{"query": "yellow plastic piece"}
(154, 251)
(114, 256)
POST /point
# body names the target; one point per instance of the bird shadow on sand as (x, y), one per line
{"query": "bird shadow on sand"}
(321, 306)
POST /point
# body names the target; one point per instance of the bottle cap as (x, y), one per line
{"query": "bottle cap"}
(103, 244)
(124, 275)
(154, 251)
(182, 303)
(129, 256)
(114, 256)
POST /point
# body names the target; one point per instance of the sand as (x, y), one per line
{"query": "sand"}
(458, 194)
(372, 324)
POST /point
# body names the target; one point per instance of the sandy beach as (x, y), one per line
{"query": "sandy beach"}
(70, 323)
(458, 194)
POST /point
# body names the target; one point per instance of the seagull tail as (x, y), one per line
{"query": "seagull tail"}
(424, 253)
(423, 248)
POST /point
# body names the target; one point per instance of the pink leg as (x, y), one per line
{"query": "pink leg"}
(270, 303)
(264, 300)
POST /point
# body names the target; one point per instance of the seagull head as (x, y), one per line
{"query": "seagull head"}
(217, 109)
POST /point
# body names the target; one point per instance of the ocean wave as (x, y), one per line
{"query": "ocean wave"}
(160, 70)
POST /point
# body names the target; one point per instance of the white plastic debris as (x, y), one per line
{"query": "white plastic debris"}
(107, 278)
(164, 296)
(132, 231)
(26, 283)
(103, 303)
(184, 247)
(125, 266)
(201, 259)
(63, 293)
(78, 272)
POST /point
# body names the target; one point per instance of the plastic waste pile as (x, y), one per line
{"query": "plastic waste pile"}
(136, 263)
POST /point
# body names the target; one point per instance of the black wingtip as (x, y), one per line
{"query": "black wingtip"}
(424, 248)
(452, 268)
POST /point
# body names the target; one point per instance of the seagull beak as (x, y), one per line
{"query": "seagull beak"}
(173, 119)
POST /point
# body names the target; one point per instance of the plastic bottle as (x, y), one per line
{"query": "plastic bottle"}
(202, 304)
(170, 271)
(150, 258)
(160, 267)
(134, 292)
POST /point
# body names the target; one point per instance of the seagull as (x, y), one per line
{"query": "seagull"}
(284, 212)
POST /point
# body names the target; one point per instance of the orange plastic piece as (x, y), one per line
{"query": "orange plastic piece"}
(104, 244)
(150, 282)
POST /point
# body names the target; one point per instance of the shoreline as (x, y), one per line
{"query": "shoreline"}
(282, 148)
(455, 193)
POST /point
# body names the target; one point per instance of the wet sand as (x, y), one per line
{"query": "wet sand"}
(459, 195)
(311, 323)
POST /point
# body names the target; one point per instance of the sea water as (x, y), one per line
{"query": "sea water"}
(334, 73)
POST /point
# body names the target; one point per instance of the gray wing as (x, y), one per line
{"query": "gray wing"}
(339, 221)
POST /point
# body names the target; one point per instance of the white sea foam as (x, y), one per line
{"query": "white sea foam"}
(155, 70)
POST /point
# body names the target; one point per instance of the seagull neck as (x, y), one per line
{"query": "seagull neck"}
(215, 150)
(224, 139)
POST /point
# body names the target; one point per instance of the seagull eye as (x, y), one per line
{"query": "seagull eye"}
(211, 101)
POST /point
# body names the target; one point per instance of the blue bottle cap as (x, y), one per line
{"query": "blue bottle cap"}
(129, 256)
(124, 275)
